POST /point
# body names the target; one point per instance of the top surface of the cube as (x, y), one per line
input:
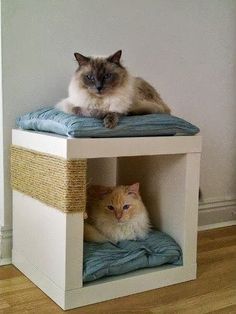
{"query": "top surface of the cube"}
(72, 148)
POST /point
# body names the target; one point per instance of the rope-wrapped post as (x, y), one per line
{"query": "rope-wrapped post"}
(55, 181)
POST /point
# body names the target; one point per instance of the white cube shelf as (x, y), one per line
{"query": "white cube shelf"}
(48, 243)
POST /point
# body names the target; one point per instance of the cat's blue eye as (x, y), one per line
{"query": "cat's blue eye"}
(125, 207)
(110, 207)
(90, 77)
(107, 76)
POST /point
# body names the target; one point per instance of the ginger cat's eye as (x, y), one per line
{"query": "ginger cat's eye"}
(110, 207)
(125, 207)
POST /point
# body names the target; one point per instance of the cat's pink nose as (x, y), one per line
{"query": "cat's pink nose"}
(118, 215)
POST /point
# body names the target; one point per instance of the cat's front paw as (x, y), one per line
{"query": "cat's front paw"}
(111, 120)
(77, 110)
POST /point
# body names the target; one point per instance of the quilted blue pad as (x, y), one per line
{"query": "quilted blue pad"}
(106, 259)
(55, 121)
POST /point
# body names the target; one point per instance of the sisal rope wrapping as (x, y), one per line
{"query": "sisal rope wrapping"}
(55, 181)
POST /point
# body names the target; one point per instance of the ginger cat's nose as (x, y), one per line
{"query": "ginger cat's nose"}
(118, 215)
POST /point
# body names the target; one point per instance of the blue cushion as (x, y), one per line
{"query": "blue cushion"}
(55, 121)
(106, 259)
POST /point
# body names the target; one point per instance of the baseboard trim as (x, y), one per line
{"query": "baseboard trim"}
(217, 225)
(5, 245)
(216, 214)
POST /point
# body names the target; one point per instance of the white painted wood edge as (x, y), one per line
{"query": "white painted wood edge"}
(136, 146)
(110, 288)
(71, 148)
(38, 278)
(132, 283)
(45, 143)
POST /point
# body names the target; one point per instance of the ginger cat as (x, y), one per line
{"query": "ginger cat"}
(115, 214)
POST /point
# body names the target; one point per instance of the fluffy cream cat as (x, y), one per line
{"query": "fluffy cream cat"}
(115, 214)
(102, 87)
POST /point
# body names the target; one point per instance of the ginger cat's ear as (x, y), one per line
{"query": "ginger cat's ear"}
(133, 189)
(99, 191)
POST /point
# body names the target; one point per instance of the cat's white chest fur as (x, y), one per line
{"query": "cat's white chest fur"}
(120, 101)
(134, 229)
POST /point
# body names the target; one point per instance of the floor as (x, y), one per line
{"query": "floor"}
(214, 291)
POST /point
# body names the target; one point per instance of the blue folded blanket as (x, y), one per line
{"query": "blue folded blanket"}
(106, 259)
(55, 121)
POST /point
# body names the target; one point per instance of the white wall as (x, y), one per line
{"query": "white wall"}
(186, 48)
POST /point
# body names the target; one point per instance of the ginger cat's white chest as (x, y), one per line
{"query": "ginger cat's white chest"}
(132, 230)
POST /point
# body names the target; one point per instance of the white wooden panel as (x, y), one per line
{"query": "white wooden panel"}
(102, 171)
(192, 172)
(71, 148)
(42, 142)
(162, 186)
(107, 288)
(51, 240)
(115, 147)
(134, 282)
(36, 275)
(74, 250)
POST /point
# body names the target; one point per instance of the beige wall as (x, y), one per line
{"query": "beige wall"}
(187, 49)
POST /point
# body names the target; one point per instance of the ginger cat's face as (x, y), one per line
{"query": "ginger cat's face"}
(119, 204)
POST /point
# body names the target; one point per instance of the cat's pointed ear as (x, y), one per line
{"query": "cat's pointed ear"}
(98, 191)
(115, 58)
(134, 188)
(82, 60)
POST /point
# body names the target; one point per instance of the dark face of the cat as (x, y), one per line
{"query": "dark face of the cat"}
(101, 76)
